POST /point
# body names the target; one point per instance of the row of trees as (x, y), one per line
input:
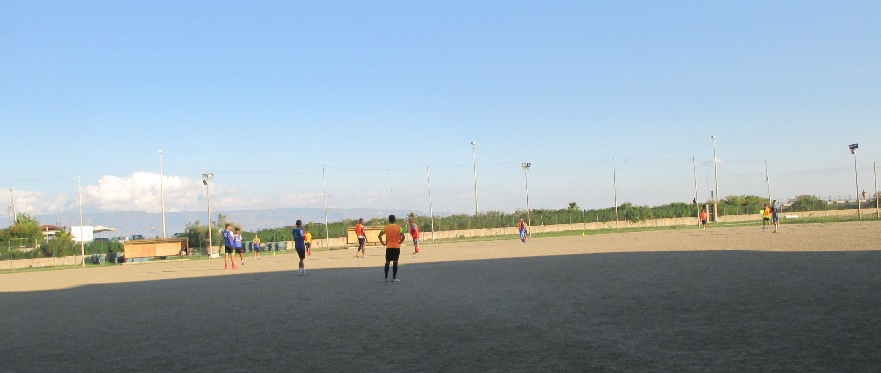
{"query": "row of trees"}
(731, 205)
(23, 239)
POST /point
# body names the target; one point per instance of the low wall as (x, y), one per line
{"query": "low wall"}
(41, 262)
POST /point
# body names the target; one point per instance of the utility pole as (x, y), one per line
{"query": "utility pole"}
(716, 173)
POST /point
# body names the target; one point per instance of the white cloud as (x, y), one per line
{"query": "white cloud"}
(33, 203)
(140, 192)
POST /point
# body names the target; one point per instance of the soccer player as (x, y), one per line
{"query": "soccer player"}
(414, 233)
(775, 216)
(237, 244)
(395, 235)
(522, 228)
(766, 216)
(256, 246)
(362, 238)
(308, 241)
(228, 246)
(704, 218)
(300, 245)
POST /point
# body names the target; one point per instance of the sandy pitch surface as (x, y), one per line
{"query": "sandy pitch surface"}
(726, 299)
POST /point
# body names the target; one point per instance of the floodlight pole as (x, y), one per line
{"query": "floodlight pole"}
(324, 186)
(615, 189)
(696, 196)
(526, 166)
(430, 208)
(162, 194)
(716, 174)
(474, 154)
(768, 181)
(206, 177)
(14, 217)
(79, 189)
(877, 208)
(853, 150)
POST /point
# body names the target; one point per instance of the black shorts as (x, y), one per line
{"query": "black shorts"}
(392, 255)
(361, 241)
(301, 253)
(239, 250)
(308, 245)
(704, 222)
(228, 249)
(415, 240)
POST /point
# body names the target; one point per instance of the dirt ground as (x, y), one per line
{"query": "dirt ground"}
(725, 299)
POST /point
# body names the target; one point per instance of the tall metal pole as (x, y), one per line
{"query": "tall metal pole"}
(768, 182)
(716, 173)
(877, 207)
(326, 228)
(615, 188)
(79, 189)
(206, 177)
(14, 216)
(430, 208)
(696, 196)
(474, 154)
(162, 194)
(208, 196)
(857, 180)
(526, 167)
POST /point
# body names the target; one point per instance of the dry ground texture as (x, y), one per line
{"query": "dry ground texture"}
(725, 299)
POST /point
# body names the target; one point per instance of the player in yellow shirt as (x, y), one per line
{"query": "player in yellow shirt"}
(308, 240)
(394, 235)
(766, 216)
(257, 247)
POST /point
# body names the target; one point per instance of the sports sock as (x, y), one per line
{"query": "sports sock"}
(386, 270)
(394, 271)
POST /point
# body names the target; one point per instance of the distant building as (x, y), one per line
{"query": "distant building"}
(49, 231)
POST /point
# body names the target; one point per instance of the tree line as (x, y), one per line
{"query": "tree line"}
(24, 239)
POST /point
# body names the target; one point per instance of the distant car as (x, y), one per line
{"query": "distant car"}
(119, 239)
(136, 237)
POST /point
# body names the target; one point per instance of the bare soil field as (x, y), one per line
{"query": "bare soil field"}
(724, 299)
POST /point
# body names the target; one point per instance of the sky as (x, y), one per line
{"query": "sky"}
(375, 104)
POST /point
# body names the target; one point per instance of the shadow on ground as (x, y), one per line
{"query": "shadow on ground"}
(659, 311)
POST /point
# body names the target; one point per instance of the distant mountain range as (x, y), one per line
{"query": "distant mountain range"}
(150, 224)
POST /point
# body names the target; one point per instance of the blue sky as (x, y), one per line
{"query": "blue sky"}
(263, 94)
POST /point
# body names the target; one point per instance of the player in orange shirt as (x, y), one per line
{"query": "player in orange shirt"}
(362, 238)
(704, 218)
(395, 235)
